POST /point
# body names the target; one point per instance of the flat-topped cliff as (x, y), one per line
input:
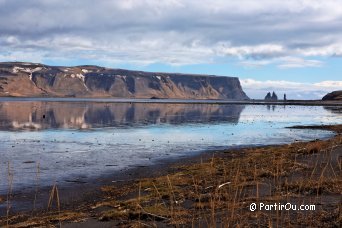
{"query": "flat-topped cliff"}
(38, 80)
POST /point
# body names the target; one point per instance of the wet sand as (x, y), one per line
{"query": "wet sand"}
(82, 198)
(74, 192)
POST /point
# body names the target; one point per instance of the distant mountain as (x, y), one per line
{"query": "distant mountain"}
(38, 80)
(336, 95)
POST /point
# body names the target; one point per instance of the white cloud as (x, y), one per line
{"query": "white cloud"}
(283, 62)
(256, 51)
(255, 63)
(328, 50)
(21, 56)
(295, 62)
(177, 32)
(335, 85)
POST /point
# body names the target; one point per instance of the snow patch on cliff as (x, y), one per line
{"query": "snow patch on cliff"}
(80, 76)
(30, 71)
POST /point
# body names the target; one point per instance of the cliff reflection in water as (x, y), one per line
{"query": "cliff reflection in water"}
(84, 115)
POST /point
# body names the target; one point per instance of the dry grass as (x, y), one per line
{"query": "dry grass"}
(47, 220)
(217, 192)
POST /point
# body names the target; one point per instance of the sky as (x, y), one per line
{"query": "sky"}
(292, 47)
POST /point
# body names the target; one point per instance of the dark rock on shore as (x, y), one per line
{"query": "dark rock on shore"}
(336, 95)
(38, 80)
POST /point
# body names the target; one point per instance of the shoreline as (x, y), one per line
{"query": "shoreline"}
(75, 192)
(174, 101)
(23, 197)
(128, 180)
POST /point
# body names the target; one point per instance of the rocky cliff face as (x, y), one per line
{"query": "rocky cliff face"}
(336, 95)
(37, 80)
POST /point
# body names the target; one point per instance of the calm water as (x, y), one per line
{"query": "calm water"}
(79, 140)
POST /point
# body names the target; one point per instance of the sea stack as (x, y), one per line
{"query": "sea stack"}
(270, 97)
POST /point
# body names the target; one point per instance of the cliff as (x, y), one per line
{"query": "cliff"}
(38, 80)
(336, 95)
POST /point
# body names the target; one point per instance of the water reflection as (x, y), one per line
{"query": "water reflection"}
(334, 109)
(85, 115)
(269, 107)
(127, 135)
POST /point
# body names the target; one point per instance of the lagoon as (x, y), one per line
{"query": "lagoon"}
(54, 141)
